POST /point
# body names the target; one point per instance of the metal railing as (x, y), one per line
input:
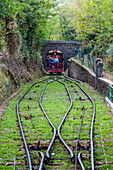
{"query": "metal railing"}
(111, 93)
(8, 85)
(85, 58)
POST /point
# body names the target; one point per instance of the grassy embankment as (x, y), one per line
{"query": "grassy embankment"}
(56, 104)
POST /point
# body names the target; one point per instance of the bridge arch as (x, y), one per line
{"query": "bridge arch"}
(67, 47)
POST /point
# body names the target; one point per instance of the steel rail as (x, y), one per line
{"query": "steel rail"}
(20, 125)
(48, 151)
(54, 129)
(92, 124)
(79, 134)
(92, 127)
(42, 160)
(63, 120)
(72, 78)
(24, 140)
(79, 158)
(79, 131)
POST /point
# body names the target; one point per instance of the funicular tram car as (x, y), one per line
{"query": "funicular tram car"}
(55, 60)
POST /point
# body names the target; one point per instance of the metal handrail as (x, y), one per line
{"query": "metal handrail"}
(111, 93)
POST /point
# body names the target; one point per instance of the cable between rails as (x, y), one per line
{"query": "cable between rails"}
(78, 139)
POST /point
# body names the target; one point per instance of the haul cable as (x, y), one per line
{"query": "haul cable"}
(78, 139)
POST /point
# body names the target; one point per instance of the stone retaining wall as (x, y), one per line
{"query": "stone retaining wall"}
(84, 74)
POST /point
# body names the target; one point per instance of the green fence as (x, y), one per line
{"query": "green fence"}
(85, 58)
(111, 93)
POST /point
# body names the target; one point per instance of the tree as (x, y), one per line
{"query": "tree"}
(8, 10)
(95, 23)
(62, 24)
(33, 24)
(27, 17)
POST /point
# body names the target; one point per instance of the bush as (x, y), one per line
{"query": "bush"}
(110, 62)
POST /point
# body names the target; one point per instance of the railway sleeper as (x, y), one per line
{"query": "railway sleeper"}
(12, 163)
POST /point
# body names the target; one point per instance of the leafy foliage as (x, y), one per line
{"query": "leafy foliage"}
(38, 20)
(33, 24)
(8, 9)
(31, 17)
(110, 50)
(95, 24)
(110, 57)
(62, 25)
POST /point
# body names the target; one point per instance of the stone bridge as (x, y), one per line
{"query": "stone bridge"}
(67, 47)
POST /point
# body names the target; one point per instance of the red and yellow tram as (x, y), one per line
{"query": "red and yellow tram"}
(55, 61)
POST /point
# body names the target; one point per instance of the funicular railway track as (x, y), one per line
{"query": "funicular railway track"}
(81, 152)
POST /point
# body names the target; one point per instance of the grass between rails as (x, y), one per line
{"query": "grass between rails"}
(103, 133)
(55, 102)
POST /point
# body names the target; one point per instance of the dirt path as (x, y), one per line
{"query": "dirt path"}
(5, 103)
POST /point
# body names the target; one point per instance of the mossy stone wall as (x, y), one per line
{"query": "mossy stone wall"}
(84, 74)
